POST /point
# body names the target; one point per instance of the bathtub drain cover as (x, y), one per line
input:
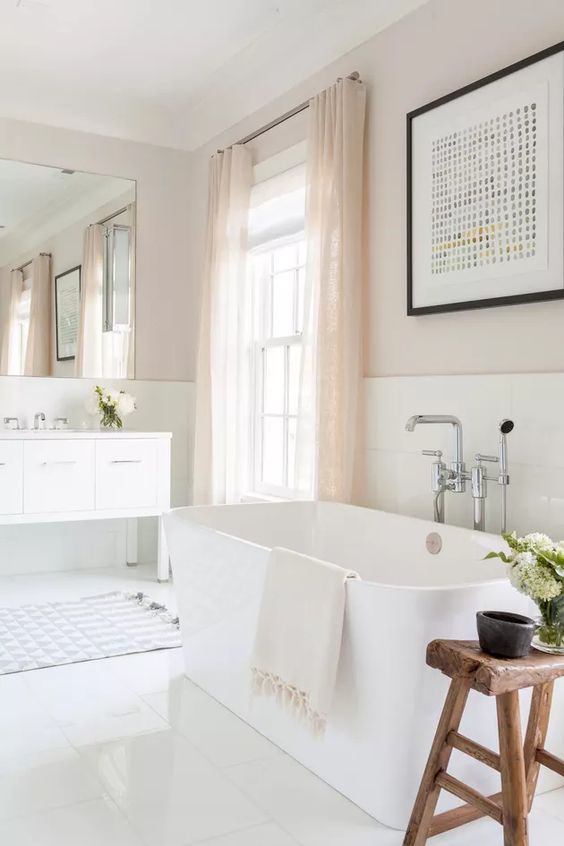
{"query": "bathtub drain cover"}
(434, 543)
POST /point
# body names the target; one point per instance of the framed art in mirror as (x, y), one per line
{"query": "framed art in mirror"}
(67, 312)
(485, 191)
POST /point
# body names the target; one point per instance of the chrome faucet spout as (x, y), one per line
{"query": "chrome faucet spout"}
(412, 422)
(39, 420)
(457, 449)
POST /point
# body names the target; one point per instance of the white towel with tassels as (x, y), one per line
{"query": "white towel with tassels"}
(299, 634)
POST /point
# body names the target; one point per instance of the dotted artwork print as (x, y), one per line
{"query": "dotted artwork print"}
(484, 193)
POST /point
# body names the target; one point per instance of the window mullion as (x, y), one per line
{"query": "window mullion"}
(270, 295)
(259, 437)
(285, 425)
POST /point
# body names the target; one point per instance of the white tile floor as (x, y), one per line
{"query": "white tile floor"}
(127, 752)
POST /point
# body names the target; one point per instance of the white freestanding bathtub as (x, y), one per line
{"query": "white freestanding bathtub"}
(387, 702)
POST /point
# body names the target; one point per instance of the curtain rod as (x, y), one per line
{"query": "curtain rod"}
(355, 76)
(114, 214)
(27, 263)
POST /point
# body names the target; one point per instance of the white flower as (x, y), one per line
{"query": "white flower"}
(126, 404)
(112, 397)
(539, 540)
(534, 579)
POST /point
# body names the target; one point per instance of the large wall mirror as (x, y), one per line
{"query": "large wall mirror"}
(67, 273)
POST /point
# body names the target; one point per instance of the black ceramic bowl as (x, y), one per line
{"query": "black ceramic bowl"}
(505, 635)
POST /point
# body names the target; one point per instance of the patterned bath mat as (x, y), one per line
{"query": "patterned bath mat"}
(36, 636)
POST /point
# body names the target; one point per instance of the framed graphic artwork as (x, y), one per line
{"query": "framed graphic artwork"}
(67, 312)
(485, 191)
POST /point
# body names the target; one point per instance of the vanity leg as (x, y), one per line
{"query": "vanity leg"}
(163, 563)
(131, 542)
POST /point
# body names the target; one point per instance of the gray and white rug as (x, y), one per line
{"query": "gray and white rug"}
(36, 636)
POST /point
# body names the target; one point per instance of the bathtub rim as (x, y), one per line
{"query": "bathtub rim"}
(183, 511)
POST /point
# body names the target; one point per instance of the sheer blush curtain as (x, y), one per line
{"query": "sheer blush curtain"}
(38, 350)
(223, 413)
(9, 358)
(89, 353)
(129, 356)
(331, 369)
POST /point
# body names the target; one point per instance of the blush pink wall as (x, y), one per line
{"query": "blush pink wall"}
(440, 47)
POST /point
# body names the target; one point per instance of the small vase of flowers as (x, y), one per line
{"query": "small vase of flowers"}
(536, 569)
(111, 405)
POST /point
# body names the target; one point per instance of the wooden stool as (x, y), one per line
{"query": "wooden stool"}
(519, 765)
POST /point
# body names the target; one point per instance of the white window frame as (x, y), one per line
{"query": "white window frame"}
(109, 281)
(265, 340)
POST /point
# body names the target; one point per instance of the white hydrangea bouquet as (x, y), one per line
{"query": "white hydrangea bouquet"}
(536, 568)
(111, 405)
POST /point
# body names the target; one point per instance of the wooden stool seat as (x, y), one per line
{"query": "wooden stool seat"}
(518, 763)
(492, 676)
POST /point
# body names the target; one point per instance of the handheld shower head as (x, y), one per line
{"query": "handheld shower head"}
(505, 427)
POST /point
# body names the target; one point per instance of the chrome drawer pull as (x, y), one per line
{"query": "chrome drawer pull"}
(125, 461)
(68, 461)
(3, 463)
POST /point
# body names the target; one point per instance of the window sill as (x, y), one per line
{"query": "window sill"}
(263, 497)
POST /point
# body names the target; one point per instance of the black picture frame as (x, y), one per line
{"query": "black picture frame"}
(58, 314)
(517, 299)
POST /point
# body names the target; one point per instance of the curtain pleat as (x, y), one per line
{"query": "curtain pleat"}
(129, 357)
(331, 369)
(89, 351)
(223, 414)
(38, 350)
(9, 365)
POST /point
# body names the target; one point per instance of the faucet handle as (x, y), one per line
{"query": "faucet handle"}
(492, 458)
(436, 453)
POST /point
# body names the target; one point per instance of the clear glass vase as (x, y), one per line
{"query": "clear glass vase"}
(549, 636)
(110, 419)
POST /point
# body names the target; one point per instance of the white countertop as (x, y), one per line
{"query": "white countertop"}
(81, 434)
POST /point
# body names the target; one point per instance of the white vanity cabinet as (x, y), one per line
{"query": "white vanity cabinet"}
(127, 473)
(58, 476)
(49, 476)
(11, 477)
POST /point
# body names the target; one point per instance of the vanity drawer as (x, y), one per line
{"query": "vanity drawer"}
(126, 473)
(58, 476)
(11, 477)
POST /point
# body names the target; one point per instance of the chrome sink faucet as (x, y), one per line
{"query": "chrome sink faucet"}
(39, 420)
(454, 477)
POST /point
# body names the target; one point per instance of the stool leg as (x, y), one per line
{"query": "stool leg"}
(536, 734)
(513, 779)
(428, 795)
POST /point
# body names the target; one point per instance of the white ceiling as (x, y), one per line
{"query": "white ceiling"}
(170, 72)
(36, 199)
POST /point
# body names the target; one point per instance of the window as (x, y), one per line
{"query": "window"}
(277, 266)
(278, 281)
(116, 302)
(22, 331)
(117, 279)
